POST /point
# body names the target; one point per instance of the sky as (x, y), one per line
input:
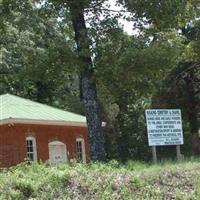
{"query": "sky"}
(127, 26)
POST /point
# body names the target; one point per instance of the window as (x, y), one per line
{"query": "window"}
(80, 150)
(31, 148)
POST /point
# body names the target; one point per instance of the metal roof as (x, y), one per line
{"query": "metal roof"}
(14, 107)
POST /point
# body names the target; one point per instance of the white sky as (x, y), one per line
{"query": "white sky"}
(127, 26)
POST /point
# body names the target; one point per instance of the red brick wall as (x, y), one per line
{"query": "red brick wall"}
(13, 141)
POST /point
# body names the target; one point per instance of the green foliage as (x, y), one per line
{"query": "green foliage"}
(128, 71)
(37, 55)
(38, 60)
(180, 88)
(25, 188)
(162, 14)
(33, 181)
(113, 180)
(33, 44)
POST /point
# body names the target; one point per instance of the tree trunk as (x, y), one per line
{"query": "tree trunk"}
(123, 140)
(88, 92)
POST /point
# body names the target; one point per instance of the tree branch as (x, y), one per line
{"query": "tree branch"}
(103, 9)
(186, 70)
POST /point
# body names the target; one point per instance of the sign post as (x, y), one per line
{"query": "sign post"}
(178, 152)
(154, 155)
(164, 127)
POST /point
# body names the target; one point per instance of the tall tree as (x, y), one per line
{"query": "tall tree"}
(36, 59)
(87, 75)
(87, 82)
(128, 68)
(161, 14)
(181, 88)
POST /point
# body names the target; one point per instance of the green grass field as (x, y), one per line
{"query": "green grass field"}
(134, 180)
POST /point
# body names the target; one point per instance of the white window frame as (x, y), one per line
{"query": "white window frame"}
(83, 149)
(32, 138)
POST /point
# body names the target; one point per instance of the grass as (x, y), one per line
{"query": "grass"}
(133, 180)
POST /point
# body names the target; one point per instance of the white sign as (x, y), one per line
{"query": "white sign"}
(164, 127)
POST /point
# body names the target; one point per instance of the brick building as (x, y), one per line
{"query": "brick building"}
(39, 132)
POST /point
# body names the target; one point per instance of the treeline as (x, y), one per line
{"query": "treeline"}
(52, 55)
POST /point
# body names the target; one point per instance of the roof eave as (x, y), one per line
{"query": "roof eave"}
(42, 122)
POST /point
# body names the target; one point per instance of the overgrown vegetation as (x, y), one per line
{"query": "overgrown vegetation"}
(133, 180)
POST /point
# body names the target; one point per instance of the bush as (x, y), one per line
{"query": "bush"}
(111, 181)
